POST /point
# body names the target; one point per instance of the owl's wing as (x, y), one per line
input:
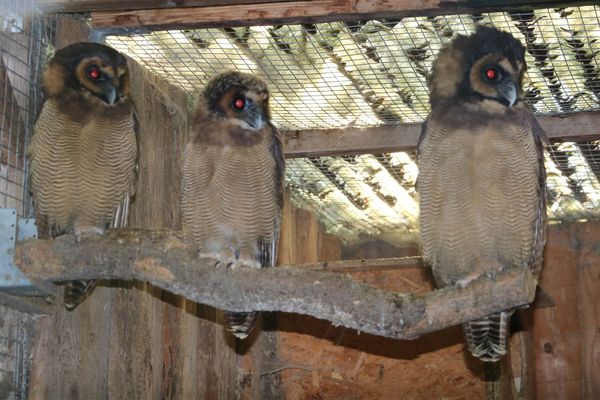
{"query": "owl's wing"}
(121, 213)
(539, 227)
(268, 245)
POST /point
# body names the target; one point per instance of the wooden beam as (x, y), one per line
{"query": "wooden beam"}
(389, 138)
(165, 260)
(331, 142)
(282, 12)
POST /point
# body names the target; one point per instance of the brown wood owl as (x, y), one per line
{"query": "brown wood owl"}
(232, 189)
(83, 152)
(481, 173)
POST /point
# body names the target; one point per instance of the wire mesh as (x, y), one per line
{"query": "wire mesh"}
(23, 47)
(15, 353)
(374, 72)
(368, 73)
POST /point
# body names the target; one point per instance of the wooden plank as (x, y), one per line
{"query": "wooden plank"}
(318, 360)
(390, 138)
(78, 6)
(70, 30)
(154, 364)
(337, 141)
(294, 12)
(588, 304)
(287, 252)
(557, 330)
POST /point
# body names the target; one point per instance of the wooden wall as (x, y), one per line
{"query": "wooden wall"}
(320, 361)
(567, 336)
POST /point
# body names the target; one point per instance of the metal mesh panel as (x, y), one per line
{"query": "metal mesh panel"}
(368, 73)
(374, 72)
(15, 353)
(23, 47)
(375, 194)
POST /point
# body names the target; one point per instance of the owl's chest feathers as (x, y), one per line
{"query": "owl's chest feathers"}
(98, 144)
(243, 168)
(215, 131)
(474, 141)
(93, 152)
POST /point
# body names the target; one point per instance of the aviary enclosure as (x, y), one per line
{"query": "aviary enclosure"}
(349, 93)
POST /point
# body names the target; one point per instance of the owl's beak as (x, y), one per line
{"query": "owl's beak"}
(508, 91)
(109, 93)
(257, 122)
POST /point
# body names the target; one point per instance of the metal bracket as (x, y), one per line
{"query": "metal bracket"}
(13, 229)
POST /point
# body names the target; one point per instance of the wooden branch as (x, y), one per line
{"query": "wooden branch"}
(282, 12)
(167, 261)
(388, 138)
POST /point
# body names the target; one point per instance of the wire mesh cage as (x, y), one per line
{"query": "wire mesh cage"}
(25, 41)
(16, 335)
(25, 36)
(369, 73)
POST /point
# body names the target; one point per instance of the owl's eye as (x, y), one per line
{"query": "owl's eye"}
(239, 103)
(93, 73)
(492, 74)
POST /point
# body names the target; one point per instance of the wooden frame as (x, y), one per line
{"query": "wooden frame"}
(389, 138)
(163, 13)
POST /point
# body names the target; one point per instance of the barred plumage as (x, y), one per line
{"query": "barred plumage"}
(232, 179)
(83, 153)
(481, 174)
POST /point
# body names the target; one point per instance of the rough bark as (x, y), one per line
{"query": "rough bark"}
(166, 260)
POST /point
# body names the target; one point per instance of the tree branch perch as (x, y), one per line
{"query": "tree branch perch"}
(166, 260)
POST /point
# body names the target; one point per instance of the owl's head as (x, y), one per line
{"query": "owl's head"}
(489, 64)
(239, 97)
(92, 68)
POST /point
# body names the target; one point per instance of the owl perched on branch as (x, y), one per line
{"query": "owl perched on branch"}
(83, 152)
(481, 174)
(232, 189)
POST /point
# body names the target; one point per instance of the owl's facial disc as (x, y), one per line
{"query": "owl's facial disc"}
(494, 77)
(246, 108)
(95, 76)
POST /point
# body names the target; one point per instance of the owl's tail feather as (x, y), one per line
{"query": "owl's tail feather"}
(76, 292)
(486, 338)
(240, 324)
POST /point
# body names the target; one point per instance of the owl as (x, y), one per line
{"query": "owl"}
(232, 181)
(481, 174)
(83, 152)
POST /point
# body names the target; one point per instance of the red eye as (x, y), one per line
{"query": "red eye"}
(491, 74)
(239, 103)
(93, 72)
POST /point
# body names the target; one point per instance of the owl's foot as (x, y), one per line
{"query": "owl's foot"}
(461, 283)
(83, 231)
(487, 269)
(230, 260)
(243, 262)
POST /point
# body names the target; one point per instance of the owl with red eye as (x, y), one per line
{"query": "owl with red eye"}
(481, 177)
(83, 152)
(232, 187)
